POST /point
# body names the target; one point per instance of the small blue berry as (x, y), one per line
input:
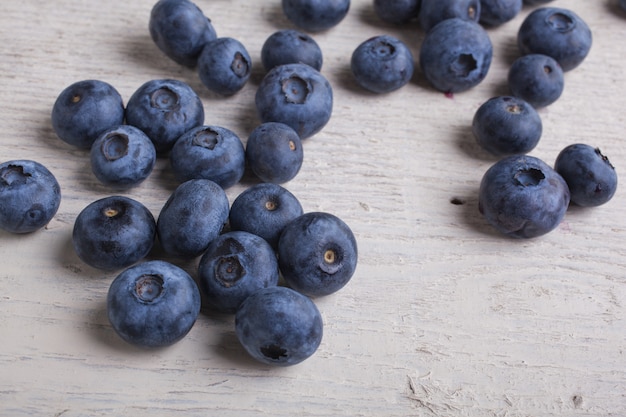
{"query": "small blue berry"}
(436, 11)
(497, 12)
(397, 12)
(289, 46)
(315, 15)
(224, 66)
(537, 79)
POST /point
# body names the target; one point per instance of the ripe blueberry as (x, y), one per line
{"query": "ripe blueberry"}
(435, 11)
(288, 46)
(224, 66)
(315, 15)
(537, 79)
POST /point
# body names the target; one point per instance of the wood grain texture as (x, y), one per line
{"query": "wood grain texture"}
(444, 317)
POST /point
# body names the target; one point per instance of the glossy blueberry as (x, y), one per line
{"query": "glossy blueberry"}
(315, 15)
(456, 55)
(180, 30)
(264, 209)
(506, 125)
(153, 304)
(537, 79)
(113, 232)
(382, 64)
(296, 95)
(29, 196)
(193, 215)
(317, 254)
(498, 12)
(122, 157)
(435, 11)
(591, 178)
(210, 152)
(274, 152)
(236, 265)
(279, 326)
(84, 110)
(224, 66)
(397, 12)
(289, 46)
(556, 32)
(164, 109)
(522, 197)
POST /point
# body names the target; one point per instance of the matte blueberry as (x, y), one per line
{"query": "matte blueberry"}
(30, 196)
(236, 265)
(153, 304)
(382, 64)
(289, 46)
(317, 254)
(84, 110)
(224, 66)
(264, 209)
(456, 55)
(556, 32)
(210, 152)
(180, 30)
(591, 178)
(296, 95)
(536, 78)
(113, 232)
(274, 152)
(435, 11)
(522, 197)
(315, 15)
(164, 109)
(279, 327)
(498, 12)
(397, 12)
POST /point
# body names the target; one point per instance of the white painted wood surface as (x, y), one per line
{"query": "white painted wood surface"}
(444, 317)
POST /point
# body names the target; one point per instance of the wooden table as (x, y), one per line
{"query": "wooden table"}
(444, 316)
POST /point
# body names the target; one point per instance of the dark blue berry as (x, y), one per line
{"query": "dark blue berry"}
(537, 79)
(498, 12)
(535, 2)
(289, 46)
(397, 12)
(224, 66)
(435, 11)
(315, 15)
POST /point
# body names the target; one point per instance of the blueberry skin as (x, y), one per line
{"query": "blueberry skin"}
(274, 152)
(522, 197)
(122, 157)
(30, 196)
(235, 266)
(456, 55)
(315, 15)
(535, 2)
(591, 178)
(506, 125)
(296, 95)
(317, 254)
(153, 304)
(537, 79)
(278, 326)
(113, 232)
(209, 152)
(224, 66)
(382, 64)
(193, 215)
(497, 12)
(264, 209)
(435, 11)
(180, 30)
(397, 12)
(556, 32)
(164, 109)
(84, 110)
(289, 46)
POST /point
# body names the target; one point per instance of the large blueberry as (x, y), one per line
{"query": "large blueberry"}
(224, 66)
(537, 79)
(153, 304)
(435, 11)
(523, 197)
(279, 326)
(289, 46)
(29, 196)
(397, 12)
(498, 12)
(315, 15)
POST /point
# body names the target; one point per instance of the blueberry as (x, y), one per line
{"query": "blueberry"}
(535, 2)
(193, 215)
(113, 232)
(507, 125)
(315, 15)
(317, 254)
(556, 32)
(537, 79)
(164, 110)
(522, 197)
(234, 266)
(153, 304)
(224, 66)
(435, 11)
(456, 55)
(274, 152)
(591, 178)
(84, 110)
(289, 46)
(397, 12)
(498, 12)
(180, 30)
(29, 196)
(296, 95)
(210, 152)
(279, 326)
(122, 157)
(264, 209)
(382, 64)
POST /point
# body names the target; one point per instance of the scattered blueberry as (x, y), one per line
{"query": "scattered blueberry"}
(498, 12)
(435, 11)
(224, 66)
(315, 15)
(397, 12)
(289, 46)
(536, 78)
